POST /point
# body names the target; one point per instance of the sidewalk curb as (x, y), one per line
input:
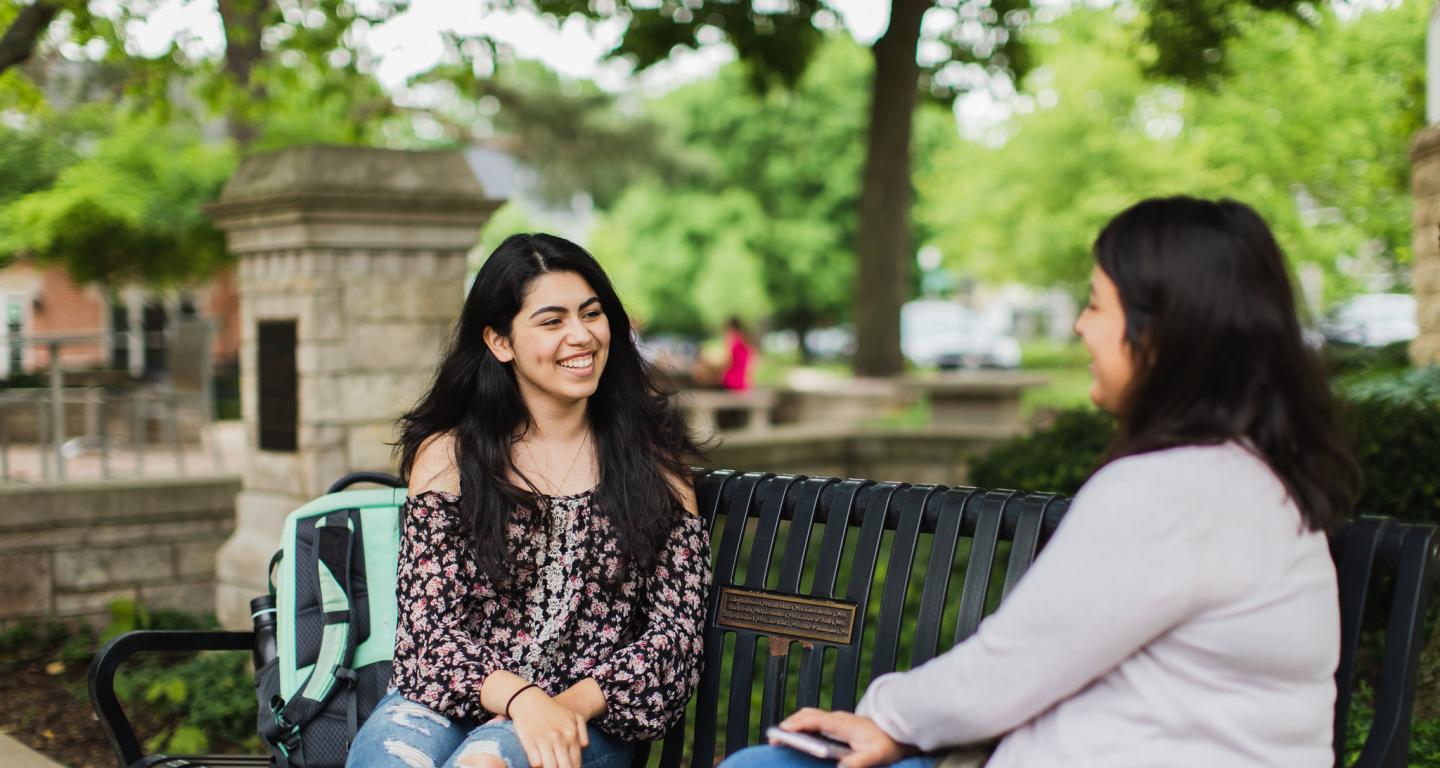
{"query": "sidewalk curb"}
(17, 755)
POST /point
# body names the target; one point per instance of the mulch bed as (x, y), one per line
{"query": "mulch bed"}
(51, 714)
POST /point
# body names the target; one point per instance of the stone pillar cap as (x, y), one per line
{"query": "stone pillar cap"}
(329, 177)
(326, 195)
(319, 169)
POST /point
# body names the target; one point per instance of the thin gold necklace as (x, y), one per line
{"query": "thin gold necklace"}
(584, 440)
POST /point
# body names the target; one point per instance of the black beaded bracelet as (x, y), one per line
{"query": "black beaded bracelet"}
(516, 695)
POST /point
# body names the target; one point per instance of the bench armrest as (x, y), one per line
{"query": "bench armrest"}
(107, 660)
(1417, 550)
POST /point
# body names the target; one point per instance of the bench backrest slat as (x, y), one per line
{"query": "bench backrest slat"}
(862, 574)
(740, 491)
(742, 669)
(1355, 558)
(837, 508)
(797, 543)
(1029, 514)
(950, 514)
(840, 497)
(975, 590)
(1418, 552)
(762, 545)
(897, 578)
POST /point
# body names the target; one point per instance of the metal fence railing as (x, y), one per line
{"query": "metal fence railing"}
(46, 414)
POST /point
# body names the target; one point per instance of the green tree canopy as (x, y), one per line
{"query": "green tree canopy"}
(128, 210)
(792, 157)
(685, 260)
(963, 45)
(1089, 137)
(108, 153)
(1311, 127)
(1314, 126)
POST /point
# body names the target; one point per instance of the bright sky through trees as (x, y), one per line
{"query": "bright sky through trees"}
(410, 42)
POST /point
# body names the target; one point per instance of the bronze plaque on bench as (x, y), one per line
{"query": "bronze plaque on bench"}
(783, 615)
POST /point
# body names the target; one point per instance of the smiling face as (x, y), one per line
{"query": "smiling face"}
(1102, 328)
(558, 342)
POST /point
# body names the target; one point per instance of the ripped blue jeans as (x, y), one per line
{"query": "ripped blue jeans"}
(403, 734)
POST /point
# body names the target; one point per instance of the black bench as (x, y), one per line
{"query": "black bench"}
(909, 571)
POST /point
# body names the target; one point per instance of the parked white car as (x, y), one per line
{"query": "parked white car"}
(1373, 320)
(950, 335)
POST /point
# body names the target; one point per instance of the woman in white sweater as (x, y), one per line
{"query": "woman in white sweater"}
(1185, 612)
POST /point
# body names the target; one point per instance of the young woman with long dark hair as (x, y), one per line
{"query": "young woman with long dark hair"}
(553, 573)
(1185, 612)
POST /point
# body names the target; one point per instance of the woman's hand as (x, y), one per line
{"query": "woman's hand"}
(552, 733)
(872, 746)
(584, 697)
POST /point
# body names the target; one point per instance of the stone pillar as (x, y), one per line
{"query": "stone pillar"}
(363, 251)
(1425, 187)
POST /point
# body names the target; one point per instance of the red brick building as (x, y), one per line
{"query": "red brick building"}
(127, 322)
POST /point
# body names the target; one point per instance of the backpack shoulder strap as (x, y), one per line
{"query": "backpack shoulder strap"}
(335, 537)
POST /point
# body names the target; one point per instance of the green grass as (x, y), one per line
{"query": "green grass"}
(773, 369)
(1064, 366)
(1065, 388)
(1045, 354)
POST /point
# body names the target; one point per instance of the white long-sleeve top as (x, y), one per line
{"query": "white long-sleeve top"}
(1181, 616)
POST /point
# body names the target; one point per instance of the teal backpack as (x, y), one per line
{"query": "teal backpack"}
(332, 612)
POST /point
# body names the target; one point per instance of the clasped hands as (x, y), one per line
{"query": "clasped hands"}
(552, 729)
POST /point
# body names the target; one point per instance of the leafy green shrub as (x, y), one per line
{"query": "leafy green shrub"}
(202, 701)
(25, 637)
(205, 700)
(128, 615)
(1419, 386)
(1342, 359)
(1393, 422)
(1059, 458)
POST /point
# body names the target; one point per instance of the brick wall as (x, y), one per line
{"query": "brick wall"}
(66, 308)
(62, 307)
(68, 551)
(221, 302)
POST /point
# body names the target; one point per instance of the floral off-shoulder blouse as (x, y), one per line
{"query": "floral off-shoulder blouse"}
(574, 612)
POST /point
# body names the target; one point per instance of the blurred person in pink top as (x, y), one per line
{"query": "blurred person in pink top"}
(737, 374)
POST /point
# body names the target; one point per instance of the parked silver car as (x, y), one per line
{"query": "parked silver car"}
(950, 335)
(1373, 320)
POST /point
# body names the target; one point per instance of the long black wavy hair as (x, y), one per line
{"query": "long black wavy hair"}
(640, 439)
(1211, 321)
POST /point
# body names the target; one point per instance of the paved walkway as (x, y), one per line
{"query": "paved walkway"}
(26, 462)
(13, 754)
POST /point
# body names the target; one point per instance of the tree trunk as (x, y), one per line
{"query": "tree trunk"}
(244, 21)
(18, 43)
(883, 242)
(801, 326)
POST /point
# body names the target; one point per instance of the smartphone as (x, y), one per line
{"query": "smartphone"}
(812, 744)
